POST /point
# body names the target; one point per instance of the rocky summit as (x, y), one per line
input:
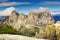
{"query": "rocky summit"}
(40, 18)
(35, 18)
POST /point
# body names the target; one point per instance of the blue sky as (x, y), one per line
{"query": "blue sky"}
(25, 6)
(33, 1)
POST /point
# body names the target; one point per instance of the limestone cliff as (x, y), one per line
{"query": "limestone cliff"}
(21, 17)
(11, 19)
(40, 18)
(35, 18)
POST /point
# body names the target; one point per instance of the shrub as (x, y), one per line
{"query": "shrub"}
(7, 30)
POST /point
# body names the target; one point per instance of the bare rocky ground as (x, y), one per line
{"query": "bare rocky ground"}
(17, 37)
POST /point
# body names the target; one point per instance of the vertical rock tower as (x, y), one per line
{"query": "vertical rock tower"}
(40, 17)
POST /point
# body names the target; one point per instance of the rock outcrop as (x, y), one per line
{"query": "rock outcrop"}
(21, 17)
(11, 19)
(40, 18)
(36, 18)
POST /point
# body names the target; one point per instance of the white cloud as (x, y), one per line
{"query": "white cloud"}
(55, 12)
(13, 3)
(7, 11)
(49, 2)
(3, 0)
(41, 9)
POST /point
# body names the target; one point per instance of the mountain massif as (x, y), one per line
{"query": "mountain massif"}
(34, 18)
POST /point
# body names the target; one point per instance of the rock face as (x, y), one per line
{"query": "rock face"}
(40, 18)
(21, 17)
(36, 18)
(20, 21)
(11, 19)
